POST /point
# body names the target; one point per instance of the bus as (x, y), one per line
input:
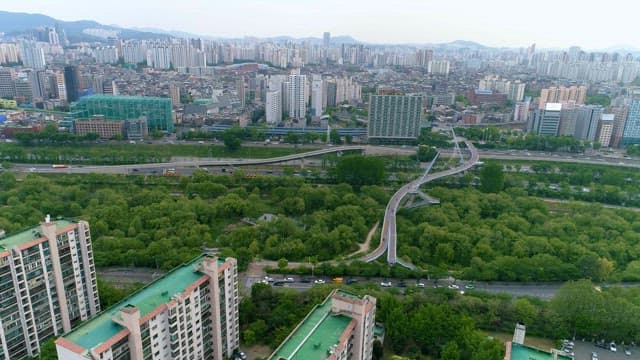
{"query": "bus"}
(59, 166)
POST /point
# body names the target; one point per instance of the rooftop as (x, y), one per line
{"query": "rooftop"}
(30, 234)
(315, 335)
(553, 107)
(523, 352)
(122, 97)
(94, 332)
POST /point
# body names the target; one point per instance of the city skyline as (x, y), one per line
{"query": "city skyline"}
(415, 22)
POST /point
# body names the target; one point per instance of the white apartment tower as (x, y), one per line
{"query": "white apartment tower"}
(316, 96)
(605, 130)
(47, 285)
(298, 95)
(32, 55)
(441, 67)
(273, 107)
(190, 313)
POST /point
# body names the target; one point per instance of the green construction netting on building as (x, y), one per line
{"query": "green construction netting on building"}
(156, 109)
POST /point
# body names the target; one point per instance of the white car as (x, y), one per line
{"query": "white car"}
(268, 278)
(318, 282)
(420, 284)
(454, 287)
(627, 351)
(288, 279)
(613, 347)
(385, 284)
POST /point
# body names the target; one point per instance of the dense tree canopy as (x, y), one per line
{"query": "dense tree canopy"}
(513, 237)
(360, 170)
(164, 221)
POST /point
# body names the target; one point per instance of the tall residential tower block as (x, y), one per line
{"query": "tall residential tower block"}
(341, 328)
(190, 313)
(47, 285)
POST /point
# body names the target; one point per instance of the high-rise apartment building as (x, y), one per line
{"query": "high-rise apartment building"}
(332, 90)
(24, 93)
(424, 57)
(32, 55)
(273, 107)
(521, 112)
(340, 328)
(547, 121)
(72, 82)
(605, 129)
(316, 96)
(441, 67)
(298, 94)
(587, 122)
(326, 39)
(568, 120)
(159, 57)
(631, 134)
(620, 118)
(58, 84)
(347, 90)
(39, 84)
(47, 285)
(7, 83)
(190, 313)
(574, 94)
(106, 54)
(394, 116)
(516, 91)
(174, 94)
(9, 53)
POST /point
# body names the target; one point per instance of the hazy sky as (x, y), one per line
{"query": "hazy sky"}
(548, 23)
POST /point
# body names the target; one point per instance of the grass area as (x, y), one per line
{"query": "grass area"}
(540, 343)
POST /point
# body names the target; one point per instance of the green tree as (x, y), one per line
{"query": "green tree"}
(426, 153)
(491, 177)
(231, 140)
(450, 351)
(378, 350)
(335, 137)
(48, 350)
(157, 134)
(359, 170)
(282, 263)
(579, 304)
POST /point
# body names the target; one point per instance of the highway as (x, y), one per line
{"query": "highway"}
(124, 277)
(125, 169)
(593, 159)
(389, 231)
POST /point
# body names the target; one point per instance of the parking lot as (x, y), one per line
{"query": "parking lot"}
(583, 351)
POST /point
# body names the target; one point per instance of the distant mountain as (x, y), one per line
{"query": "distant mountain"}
(463, 44)
(16, 23)
(282, 38)
(314, 40)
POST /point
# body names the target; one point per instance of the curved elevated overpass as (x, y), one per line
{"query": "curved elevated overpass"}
(225, 162)
(389, 233)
